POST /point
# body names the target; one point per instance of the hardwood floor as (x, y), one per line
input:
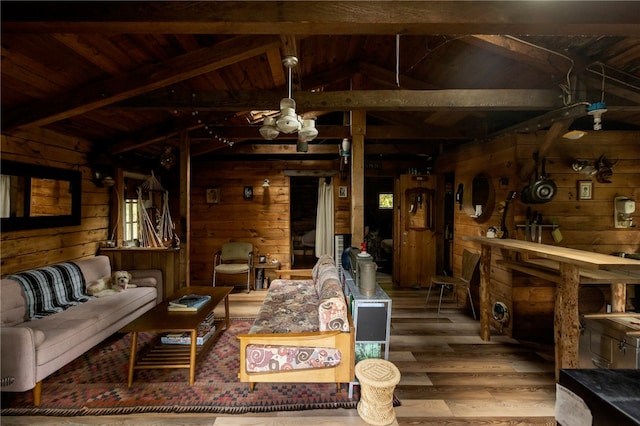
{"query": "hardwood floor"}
(449, 376)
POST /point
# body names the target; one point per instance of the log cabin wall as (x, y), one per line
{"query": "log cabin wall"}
(584, 224)
(264, 220)
(28, 249)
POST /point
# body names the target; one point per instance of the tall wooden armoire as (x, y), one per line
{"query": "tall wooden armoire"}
(414, 237)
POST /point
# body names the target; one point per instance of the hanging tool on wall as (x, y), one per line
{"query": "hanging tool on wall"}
(503, 222)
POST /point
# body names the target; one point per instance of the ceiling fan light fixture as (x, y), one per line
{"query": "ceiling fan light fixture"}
(302, 146)
(287, 103)
(288, 121)
(268, 129)
(308, 132)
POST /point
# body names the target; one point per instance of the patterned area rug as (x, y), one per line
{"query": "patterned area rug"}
(96, 384)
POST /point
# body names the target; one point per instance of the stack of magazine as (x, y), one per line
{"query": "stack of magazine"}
(188, 303)
(205, 331)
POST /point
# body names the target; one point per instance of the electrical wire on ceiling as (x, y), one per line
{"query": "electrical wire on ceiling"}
(610, 77)
(566, 88)
(602, 88)
(431, 50)
(398, 60)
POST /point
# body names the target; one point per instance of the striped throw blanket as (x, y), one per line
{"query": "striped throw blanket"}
(52, 289)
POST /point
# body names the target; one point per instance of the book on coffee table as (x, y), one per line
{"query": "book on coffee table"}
(188, 303)
(205, 331)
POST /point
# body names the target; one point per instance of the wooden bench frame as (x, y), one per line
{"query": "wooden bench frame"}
(342, 341)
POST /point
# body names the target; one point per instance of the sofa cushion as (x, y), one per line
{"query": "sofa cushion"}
(95, 267)
(326, 273)
(323, 260)
(273, 358)
(81, 322)
(52, 289)
(13, 305)
(290, 306)
(332, 307)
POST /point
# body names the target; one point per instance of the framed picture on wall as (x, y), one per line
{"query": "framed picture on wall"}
(248, 192)
(585, 190)
(342, 192)
(212, 195)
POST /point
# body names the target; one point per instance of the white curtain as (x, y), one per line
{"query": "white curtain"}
(5, 195)
(324, 218)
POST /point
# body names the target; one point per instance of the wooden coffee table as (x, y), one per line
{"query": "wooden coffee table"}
(160, 320)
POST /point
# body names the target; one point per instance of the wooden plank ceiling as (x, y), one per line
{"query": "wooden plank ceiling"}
(132, 76)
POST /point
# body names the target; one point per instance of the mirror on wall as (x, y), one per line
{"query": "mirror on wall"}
(35, 196)
(478, 198)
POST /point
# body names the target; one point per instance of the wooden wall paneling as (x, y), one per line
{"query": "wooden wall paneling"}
(166, 260)
(574, 216)
(28, 249)
(263, 221)
(596, 215)
(496, 159)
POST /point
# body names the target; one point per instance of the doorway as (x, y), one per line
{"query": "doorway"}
(303, 207)
(378, 221)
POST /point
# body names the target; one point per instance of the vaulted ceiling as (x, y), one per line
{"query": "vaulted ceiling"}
(133, 76)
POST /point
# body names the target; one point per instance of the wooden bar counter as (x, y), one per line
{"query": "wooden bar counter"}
(570, 264)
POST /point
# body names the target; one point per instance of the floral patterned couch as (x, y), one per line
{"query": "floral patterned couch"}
(303, 332)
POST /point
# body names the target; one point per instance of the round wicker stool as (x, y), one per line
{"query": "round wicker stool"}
(378, 379)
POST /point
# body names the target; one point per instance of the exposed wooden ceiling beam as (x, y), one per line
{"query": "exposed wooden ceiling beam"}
(370, 100)
(326, 17)
(556, 64)
(382, 132)
(566, 114)
(317, 149)
(140, 81)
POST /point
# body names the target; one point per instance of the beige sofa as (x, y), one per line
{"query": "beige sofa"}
(33, 349)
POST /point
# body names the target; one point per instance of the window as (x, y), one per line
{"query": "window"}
(385, 200)
(130, 219)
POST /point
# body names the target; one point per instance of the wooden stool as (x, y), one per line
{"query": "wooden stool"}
(378, 379)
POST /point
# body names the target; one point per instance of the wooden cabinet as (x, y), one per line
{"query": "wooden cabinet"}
(164, 259)
(414, 239)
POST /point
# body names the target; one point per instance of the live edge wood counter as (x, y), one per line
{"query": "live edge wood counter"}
(570, 261)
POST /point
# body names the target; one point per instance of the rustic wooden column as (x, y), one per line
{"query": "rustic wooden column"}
(618, 297)
(566, 319)
(184, 224)
(485, 303)
(358, 130)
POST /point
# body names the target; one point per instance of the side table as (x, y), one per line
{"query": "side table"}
(264, 273)
(378, 379)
